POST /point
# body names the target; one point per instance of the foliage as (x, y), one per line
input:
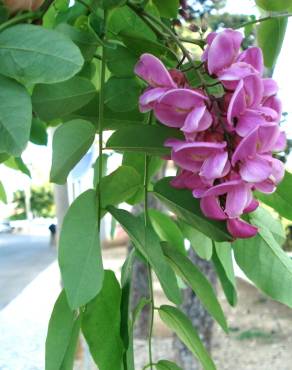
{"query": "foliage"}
(74, 67)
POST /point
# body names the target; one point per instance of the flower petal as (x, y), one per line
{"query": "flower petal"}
(149, 97)
(246, 148)
(241, 229)
(211, 208)
(237, 200)
(237, 103)
(199, 119)
(214, 166)
(254, 57)
(256, 169)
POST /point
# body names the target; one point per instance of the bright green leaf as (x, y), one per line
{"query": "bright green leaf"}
(71, 141)
(59, 333)
(167, 8)
(69, 358)
(167, 229)
(38, 132)
(15, 115)
(101, 325)
(34, 54)
(108, 4)
(222, 259)
(147, 243)
(146, 139)
(270, 36)
(198, 282)
(57, 100)
(3, 197)
(79, 251)
(122, 94)
(281, 199)
(187, 208)
(266, 264)
(166, 365)
(16, 163)
(274, 5)
(182, 326)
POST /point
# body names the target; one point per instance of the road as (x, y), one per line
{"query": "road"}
(22, 258)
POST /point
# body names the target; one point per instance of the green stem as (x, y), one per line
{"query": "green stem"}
(100, 130)
(259, 20)
(20, 18)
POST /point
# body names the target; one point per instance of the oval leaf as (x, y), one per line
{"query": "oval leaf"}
(34, 54)
(57, 100)
(167, 365)
(182, 326)
(71, 141)
(15, 116)
(186, 207)
(79, 251)
(101, 325)
(274, 5)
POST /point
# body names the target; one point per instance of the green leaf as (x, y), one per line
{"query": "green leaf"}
(222, 259)
(84, 39)
(15, 116)
(71, 141)
(270, 37)
(182, 326)
(79, 251)
(167, 8)
(16, 163)
(38, 132)
(3, 197)
(167, 229)
(57, 100)
(101, 325)
(122, 94)
(146, 139)
(262, 218)
(60, 332)
(167, 365)
(198, 282)
(109, 4)
(147, 243)
(119, 186)
(122, 19)
(281, 199)
(274, 5)
(69, 358)
(33, 54)
(121, 61)
(104, 159)
(266, 264)
(200, 243)
(187, 208)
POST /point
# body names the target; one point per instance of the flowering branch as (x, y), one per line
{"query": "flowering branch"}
(259, 20)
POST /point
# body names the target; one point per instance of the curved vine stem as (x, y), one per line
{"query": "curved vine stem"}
(259, 20)
(100, 128)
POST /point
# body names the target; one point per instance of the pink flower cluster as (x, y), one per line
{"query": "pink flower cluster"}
(229, 141)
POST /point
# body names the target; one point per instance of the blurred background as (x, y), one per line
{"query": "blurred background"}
(32, 211)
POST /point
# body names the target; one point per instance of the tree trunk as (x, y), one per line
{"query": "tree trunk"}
(200, 318)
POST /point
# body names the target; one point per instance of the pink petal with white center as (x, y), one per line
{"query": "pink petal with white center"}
(223, 50)
(211, 208)
(246, 148)
(199, 119)
(237, 103)
(241, 229)
(149, 97)
(254, 57)
(214, 166)
(152, 70)
(256, 169)
(236, 200)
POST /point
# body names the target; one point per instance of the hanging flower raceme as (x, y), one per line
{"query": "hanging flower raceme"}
(229, 141)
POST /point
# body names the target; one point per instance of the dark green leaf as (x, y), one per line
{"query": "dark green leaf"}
(122, 94)
(79, 251)
(33, 54)
(266, 264)
(274, 5)
(222, 259)
(167, 229)
(146, 139)
(101, 325)
(198, 282)
(57, 100)
(104, 158)
(71, 141)
(200, 243)
(281, 200)
(270, 36)
(182, 326)
(121, 61)
(85, 40)
(167, 365)
(60, 332)
(38, 132)
(167, 8)
(108, 4)
(186, 207)
(15, 115)
(147, 243)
